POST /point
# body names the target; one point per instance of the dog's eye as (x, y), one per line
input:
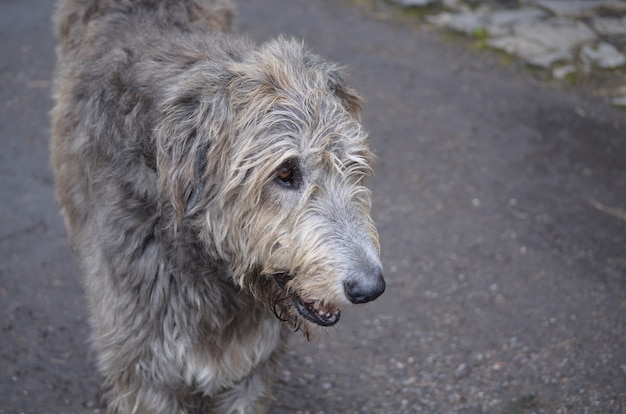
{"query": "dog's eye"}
(285, 175)
(288, 175)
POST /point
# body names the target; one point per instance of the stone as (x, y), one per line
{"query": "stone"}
(533, 52)
(518, 46)
(619, 101)
(501, 21)
(510, 17)
(580, 8)
(609, 26)
(453, 4)
(548, 59)
(467, 23)
(415, 3)
(563, 72)
(557, 34)
(604, 55)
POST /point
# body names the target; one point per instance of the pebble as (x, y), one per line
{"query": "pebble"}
(461, 371)
(562, 72)
(603, 55)
(619, 101)
(415, 3)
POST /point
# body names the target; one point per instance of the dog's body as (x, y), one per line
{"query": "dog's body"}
(208, 186)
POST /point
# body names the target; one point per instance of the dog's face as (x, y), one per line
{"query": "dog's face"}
(325, 252)
(314, 210)
(284, 200)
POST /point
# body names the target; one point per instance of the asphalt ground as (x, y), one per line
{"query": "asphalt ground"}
(501, 206)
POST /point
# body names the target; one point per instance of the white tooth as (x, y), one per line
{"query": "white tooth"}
(328, 315)
(316, 305)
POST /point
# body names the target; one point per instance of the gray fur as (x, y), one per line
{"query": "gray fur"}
(168, 141)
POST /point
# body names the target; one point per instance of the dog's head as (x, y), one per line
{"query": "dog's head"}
(274, 166)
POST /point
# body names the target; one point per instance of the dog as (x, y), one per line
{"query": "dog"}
(214, 192)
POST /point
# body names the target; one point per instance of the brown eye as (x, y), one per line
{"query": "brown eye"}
(288, 174)
(285, 174)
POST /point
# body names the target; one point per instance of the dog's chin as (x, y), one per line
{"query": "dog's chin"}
(309, 309)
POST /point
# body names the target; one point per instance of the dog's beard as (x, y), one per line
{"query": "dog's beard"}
(310, 309)
(299, 311)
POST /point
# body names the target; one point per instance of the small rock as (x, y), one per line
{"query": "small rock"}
(563, 72)
(604, 55)
(548, 59)
(620, 101)
(415, 3)
(609, 26)
(461, 371)
(453, 4)
(467, 23)
(520, 46)
(501, 21)
(556, 34)
(575, 8)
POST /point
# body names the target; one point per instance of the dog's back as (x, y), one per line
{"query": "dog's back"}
(76, 21)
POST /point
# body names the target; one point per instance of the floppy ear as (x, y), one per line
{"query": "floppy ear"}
(184, 137)
(348, 95)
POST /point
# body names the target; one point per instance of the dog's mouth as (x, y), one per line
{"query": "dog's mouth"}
(310, 309)
(313, 311)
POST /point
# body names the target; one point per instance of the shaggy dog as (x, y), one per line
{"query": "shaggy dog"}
(213, 191)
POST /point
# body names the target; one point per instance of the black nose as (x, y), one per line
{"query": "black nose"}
(364, 287)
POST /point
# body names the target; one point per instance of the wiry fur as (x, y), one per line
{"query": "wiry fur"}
(167, 136)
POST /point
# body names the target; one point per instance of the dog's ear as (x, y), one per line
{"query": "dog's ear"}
(183, 140)
(347, 94)
(179, 164)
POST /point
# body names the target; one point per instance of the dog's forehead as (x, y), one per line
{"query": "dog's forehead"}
(316, 135)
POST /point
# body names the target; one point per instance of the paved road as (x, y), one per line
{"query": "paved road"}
(500, 202)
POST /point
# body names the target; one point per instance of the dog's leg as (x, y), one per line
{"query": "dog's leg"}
(250, 396)
(147, 399)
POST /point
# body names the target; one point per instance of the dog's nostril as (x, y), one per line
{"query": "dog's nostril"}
(365, 288)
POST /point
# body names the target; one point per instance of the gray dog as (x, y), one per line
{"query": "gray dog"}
(214, 193)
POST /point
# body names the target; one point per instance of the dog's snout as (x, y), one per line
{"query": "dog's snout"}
(364, 287)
